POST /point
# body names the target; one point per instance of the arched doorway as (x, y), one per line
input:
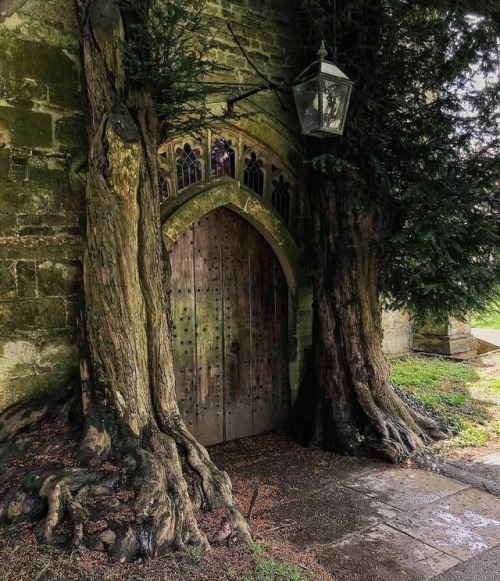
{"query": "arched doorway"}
(230, 315)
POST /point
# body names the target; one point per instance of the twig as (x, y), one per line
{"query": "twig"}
(280, 527)
(252, 504)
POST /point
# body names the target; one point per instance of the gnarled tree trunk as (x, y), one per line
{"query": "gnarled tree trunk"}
(131, 417)
(347, 403)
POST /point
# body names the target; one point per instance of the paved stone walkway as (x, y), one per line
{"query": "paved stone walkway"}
(490, 335)
(369, 521)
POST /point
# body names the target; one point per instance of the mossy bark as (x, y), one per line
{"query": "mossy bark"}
(130, 412)
(347, 403)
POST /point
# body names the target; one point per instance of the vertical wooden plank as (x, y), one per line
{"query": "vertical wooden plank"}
(183, 318)
(208, 298)
(236, 318)
(263, 334)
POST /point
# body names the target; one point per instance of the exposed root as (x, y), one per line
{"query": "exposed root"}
(216, 485)
(234, 528)
(62, 503)
(24, 417)
(396, 430)
(137, 506)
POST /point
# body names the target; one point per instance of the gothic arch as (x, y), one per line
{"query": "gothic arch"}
(230, 194)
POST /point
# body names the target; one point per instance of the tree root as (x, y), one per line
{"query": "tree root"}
(396, 430)
(140, 497)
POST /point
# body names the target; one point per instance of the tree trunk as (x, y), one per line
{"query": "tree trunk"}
(347, 403)
(131, 417)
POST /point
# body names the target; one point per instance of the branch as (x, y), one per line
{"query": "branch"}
(9, 7)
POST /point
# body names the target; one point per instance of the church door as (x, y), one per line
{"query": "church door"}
(229, 302)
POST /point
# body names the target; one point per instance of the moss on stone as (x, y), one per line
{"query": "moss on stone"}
(59, 278)
(7, 280)
(27, 128)
(26, 279)
(23, 58)
(70, 131)
(31, 315)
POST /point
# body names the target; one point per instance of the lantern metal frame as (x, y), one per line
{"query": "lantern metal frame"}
(322, 94)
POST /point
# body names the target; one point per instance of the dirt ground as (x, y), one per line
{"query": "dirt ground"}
(22, 558)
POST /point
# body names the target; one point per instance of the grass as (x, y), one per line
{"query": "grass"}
(487, 319)
(463, 396)
(269, 569)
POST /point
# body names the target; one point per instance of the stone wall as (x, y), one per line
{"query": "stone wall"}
(41, 151)
(41, 219)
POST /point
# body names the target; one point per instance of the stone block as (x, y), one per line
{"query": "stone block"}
(70, 131)
(8, 223)
(28, 198)
(7, 280)
(60, 353)
(26, 279)
(50, 178)
(31, 315)
(23, 93)
(397, 333)
(68, 96)
(17, 359)
(23, 58)
(4, 164)
(30, 368)
(27, 128)
(21, 389)
(60, 278)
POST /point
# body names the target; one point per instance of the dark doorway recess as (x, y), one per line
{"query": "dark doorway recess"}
(230, 316)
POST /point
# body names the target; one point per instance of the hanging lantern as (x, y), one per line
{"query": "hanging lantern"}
(322, 94)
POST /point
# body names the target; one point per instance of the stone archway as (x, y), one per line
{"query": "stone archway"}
(229, 300)
(233, 172)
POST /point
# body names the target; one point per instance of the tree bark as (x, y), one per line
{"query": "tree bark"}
(130, 411)
(347, 403)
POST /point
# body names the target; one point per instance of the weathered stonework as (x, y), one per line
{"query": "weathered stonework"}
(453, 339)
(41, 220)
(397, 333)
(42, 208)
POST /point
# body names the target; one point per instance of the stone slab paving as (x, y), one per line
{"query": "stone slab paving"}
(462, 525)
(329, 514)
(384, 554)
(483, 567)
(368, 521)
(406, 489)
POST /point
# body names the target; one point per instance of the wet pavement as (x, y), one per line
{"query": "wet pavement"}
(369, 521)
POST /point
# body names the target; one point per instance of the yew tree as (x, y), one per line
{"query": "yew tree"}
(405, 198)
(405, 204)
(139, 60)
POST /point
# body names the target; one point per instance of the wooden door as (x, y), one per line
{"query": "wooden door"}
(230, 315)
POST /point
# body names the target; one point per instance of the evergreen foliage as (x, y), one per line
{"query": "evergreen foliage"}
(422, 141)
(169, 51)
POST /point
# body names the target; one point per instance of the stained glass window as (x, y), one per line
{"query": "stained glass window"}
(223, 158)
(188, 166)
(280, 197)
(253, 176)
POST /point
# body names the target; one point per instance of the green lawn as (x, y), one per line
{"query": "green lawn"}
(486, 320)
(463, 396)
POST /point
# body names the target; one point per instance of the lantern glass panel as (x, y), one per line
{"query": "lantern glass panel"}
(335, 102)
(306, 99)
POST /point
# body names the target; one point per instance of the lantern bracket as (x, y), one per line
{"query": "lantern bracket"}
(268, 86)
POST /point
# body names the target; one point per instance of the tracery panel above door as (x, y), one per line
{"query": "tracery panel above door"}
(187, 164)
